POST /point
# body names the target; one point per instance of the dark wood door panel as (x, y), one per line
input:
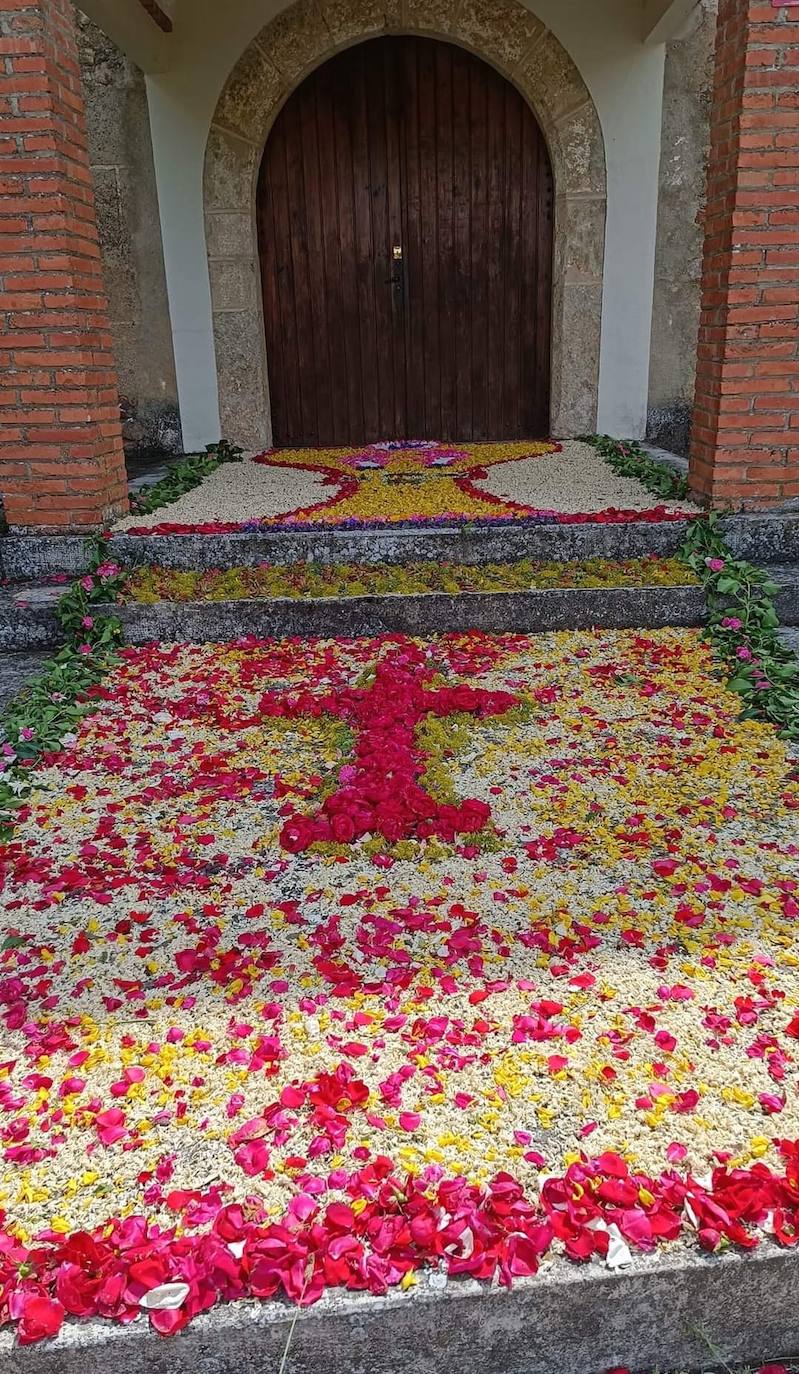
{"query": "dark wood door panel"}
(405, 212)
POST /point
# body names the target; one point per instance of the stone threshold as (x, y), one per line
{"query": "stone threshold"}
(675, 1309)
(769, 538)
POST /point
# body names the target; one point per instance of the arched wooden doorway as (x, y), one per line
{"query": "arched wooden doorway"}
(405, 211)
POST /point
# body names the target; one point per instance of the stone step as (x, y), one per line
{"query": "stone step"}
(28, 619)
(763, 539)
(787, 578)
(16, 671)
(428, 613)
(35, 626)
(568, 1319)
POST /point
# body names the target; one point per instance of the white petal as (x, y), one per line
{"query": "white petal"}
(619, 1252)
(165, 1297)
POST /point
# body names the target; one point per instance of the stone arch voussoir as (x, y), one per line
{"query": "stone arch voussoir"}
(509, 37)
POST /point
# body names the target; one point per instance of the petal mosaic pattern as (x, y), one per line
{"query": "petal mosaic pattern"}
(415, 483)
(559, 1012)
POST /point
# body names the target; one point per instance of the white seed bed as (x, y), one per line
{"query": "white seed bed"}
(575, 481)
(237, 492)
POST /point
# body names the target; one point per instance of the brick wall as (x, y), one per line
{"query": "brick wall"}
(745, 445)
(61, 463)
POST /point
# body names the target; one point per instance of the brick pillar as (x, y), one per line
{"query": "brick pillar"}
(61, 462)
(745, 443)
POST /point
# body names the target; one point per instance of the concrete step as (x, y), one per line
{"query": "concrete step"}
(434, 612)
(763, 539)
(570, 1319)
(16, 671)
(787, 602)
(28, 619)
(428, 613)
(30, 622)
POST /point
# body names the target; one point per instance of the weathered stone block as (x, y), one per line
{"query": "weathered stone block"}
(296, 39)
(582, 152)
(429, 16)
(503, 33)
(234, 284)
(575, 364)
(584, 239)
(243, 400)
(551, 79)
(229, 235)
(250, 95)
(351, 22)
(230, 165)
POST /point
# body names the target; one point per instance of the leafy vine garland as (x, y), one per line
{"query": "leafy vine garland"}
(184, 476)
(743, 627)
(43, 718)
(742, 624)
(629, 459)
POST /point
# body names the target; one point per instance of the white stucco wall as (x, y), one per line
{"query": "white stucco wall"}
(625, 78)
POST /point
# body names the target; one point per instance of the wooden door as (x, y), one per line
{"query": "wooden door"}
(405, 211)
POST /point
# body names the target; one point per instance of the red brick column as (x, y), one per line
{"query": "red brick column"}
(745, 444)
(61, 463)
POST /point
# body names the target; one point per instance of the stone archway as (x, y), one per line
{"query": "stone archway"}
(502, 32)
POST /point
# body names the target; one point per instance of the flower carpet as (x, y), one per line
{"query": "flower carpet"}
(323, 962)
(411, 483)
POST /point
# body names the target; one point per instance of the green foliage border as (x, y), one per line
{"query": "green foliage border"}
(183, 476)
(628, 459)
(742, 624)
(43, 716)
